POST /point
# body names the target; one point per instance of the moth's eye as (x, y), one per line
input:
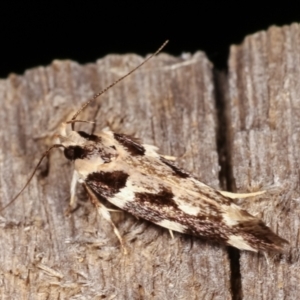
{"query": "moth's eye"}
(73, 152)
(69, 153)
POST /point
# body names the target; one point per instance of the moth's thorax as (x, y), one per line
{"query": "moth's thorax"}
(88, 151)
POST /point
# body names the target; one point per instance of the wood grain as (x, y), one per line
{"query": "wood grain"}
(46, 255)
(241, 129)
(264, 137)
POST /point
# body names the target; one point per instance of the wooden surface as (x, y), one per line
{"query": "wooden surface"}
(264, 130)
(171, 103)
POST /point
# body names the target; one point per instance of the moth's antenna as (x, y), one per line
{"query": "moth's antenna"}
(73, 121)
(31, 176)
(84, 105)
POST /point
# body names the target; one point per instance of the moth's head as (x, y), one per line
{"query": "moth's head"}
(81, 145)
(68, 137)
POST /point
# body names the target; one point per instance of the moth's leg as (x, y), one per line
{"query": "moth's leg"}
(72, 203)
(242, 195)
(73, 189)
(104, 212)
(267, 259)
(168, 157)
(114, 210)
(171, 234)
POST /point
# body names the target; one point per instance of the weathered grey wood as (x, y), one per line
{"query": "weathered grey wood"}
(264, 130)
(46, 255)
(169, 103)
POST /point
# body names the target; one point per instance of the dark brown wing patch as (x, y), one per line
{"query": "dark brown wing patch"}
(89, 137)
(107, 184)
(131, 144)
(178, 172)
(259, 235)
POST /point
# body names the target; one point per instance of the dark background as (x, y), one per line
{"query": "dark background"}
(35, 34)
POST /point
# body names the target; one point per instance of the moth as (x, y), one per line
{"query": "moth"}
(137, 179)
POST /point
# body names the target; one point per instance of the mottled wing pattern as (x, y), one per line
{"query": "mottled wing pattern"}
(135, 178)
